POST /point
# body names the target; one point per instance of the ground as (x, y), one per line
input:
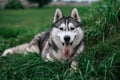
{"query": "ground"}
(100, 60)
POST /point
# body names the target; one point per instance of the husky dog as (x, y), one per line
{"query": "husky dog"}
(63, 43)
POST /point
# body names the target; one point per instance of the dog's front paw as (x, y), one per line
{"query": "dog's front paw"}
(73, 68)
(74, 65)
(6, 52)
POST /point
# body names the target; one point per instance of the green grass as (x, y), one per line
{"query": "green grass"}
(100, 60)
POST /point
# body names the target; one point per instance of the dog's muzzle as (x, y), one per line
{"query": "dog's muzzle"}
(67, 47)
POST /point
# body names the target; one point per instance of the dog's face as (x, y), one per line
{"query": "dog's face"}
(67, 32)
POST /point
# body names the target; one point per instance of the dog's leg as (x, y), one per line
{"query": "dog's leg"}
(33, 49)
(25, 48)
(21, 49)
(74, 65)
(28, 47)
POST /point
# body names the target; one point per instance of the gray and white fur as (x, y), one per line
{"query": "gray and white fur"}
(63, 43)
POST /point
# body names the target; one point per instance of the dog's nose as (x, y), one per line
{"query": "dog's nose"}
(67, 38)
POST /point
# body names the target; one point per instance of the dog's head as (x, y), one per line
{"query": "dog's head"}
(67, 31)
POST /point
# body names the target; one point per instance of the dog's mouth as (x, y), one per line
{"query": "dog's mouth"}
(67, 50)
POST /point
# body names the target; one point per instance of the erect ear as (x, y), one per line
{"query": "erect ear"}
(58, 15)
(75, 15)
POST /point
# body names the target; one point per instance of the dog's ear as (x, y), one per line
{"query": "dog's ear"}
(75, 15)
(58, 15)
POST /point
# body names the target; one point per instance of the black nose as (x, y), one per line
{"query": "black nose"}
(67, 38)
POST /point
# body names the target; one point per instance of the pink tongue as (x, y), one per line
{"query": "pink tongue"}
(67, 50)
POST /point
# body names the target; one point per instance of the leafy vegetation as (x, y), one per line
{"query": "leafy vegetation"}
(105, 21)
(14, 4)
(40, 2)
(100, 60)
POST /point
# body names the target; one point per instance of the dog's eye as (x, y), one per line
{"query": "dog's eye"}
(72, 28)
(61, 29)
